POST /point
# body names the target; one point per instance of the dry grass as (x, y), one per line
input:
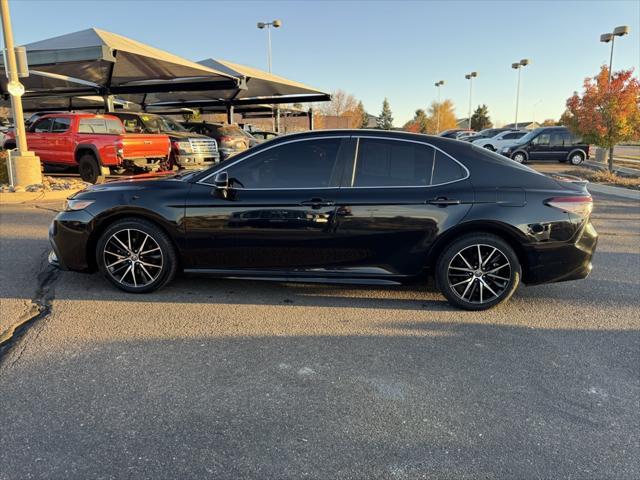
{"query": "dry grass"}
(4, 174)
(606, 177)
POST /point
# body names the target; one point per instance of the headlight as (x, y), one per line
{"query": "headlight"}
(185, 147)
(71, 205)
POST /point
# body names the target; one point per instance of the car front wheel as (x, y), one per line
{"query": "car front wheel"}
(490, 147)
(136, 256)
(519, 157)
(478, 271)
(576, 158)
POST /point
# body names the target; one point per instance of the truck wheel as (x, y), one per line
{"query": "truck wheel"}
(89, 169)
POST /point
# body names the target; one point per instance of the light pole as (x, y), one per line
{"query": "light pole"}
(27, 165)
(438, 84)
(518, 66)
(606, 38)
(470, 77)
(268, 25)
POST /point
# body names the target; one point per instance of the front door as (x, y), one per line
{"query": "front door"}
(399, 197)
(540, 147)
(278, 213)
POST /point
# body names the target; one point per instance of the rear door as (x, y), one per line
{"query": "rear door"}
(396, 199)
(279, 214)
(61, 141)
(557, 149)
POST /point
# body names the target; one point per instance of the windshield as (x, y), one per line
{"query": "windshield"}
(156, 123)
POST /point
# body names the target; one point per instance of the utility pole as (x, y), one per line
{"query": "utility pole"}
(518, 66)
(268, 25)
(438, 84)
(25, 165)
(470, 77)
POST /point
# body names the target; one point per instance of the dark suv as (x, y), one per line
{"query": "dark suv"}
(548, 143)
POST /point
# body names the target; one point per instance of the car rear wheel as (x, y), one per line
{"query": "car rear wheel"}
(136, 256)
(478, 271)
(576, 158)
(89, 169)
(519, 157)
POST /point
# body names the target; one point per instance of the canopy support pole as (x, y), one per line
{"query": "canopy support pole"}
(108, 103)
(230, 113)
(310, 115)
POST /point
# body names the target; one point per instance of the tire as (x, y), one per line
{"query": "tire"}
(9, 146)
(576, 158)
(89, 168)
(133, 272)
(519, 157)
(490, 147)
(478, 288)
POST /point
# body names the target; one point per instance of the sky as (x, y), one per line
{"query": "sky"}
(378, 49)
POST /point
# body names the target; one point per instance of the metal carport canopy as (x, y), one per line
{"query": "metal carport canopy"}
(95, 61)
(261, 87)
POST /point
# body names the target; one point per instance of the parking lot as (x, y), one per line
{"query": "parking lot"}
(237, 379)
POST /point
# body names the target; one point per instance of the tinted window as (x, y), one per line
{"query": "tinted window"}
(384, 163)
(542, 139)
(446, 169)
(43, 126)
(519, 134)
(557, 139)
(305, 164)
(100, 125)
(60, 124)
(510, 136)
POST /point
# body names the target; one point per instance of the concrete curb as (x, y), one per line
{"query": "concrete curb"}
(617, 191)
(600, 166)
(27, 197)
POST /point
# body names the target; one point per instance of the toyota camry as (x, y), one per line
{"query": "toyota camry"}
(348, 206)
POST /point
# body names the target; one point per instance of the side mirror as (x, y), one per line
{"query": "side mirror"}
(221, 185)
(222, 180)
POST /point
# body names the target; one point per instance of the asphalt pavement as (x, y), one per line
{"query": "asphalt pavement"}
(235, 379)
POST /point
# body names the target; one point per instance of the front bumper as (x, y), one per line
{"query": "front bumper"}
(555, 262)
(69, 237)
(196, 160)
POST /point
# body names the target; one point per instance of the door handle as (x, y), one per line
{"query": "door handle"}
(443, 202)
(317, 203)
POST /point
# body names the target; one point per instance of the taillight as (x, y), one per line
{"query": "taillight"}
(225, 139)
(174, 146)
(120, 149)
(580, 205)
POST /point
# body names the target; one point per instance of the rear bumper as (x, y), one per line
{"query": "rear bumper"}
(561, 262)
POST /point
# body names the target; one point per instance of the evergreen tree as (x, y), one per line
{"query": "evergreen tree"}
(385, 120)
(422, 121)
(364, 117)
(480, 118)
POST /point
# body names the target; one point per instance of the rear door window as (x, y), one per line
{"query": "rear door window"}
(393, 163)
(446, 169)
(557, 139)
(105, 126)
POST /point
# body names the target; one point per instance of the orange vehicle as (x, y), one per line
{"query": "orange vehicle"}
(96, 144)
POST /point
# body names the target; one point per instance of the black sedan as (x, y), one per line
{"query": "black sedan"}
(350, 206)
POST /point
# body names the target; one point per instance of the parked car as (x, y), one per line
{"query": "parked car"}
(188, 149)
(351, 206)
(230, 138)
(453, 132)
(548, 143)
(253, 141)
(263, 135)
(488, 133)
(96, 144)
(507, 137)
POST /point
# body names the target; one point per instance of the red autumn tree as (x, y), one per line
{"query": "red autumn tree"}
(607, 113)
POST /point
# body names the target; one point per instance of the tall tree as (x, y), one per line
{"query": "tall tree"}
(385, 120)
(447, 119)
(480, 118)
(362, 116)
(341, 103)
(549, 122)
(607, 113)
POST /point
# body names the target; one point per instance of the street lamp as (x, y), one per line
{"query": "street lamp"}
(268, 25)
(610, 37)
(620, 31)
(470, 77)
(438, 84)
(518, 66)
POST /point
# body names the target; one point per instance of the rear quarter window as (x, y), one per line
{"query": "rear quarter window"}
(446, 170)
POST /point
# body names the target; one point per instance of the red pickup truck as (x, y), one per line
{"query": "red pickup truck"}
(96, 144)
